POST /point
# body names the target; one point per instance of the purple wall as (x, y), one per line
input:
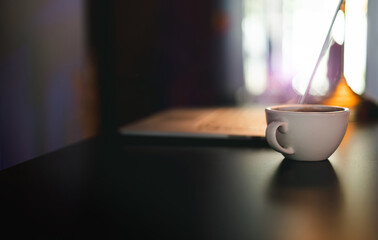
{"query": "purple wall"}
(47, 91)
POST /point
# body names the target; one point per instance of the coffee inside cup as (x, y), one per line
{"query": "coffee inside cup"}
(308, 108)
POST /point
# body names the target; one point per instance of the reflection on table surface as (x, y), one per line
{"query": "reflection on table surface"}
(308, 200)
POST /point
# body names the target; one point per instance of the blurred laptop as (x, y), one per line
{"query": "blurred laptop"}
(223, 123)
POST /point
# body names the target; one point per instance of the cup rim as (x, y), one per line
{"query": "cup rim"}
(286, 107)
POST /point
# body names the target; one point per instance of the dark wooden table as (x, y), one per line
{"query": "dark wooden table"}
(138, 188)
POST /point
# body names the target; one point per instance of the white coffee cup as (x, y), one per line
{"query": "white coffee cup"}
(306, 132)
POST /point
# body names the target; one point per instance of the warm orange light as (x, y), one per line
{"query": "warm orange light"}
(343, 96)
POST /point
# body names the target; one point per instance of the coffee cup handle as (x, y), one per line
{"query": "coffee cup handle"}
(271, 136)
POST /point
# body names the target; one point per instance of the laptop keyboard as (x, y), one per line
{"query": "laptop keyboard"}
(234, 119)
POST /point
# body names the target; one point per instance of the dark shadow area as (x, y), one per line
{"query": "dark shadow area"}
(292, 177)
(245, 142)
(292, 174)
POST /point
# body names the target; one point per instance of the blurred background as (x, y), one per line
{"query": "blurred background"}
(73, 69)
